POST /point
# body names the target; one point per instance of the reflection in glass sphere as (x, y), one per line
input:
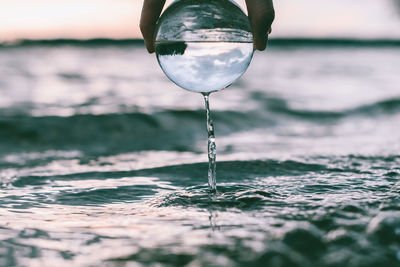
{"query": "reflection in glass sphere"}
(204, 45)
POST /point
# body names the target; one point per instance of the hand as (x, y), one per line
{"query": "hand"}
(261, 15)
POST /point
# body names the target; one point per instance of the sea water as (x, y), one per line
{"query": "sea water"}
(204, 67)
(100, 166)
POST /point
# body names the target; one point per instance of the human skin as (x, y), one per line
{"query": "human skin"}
(261, 14)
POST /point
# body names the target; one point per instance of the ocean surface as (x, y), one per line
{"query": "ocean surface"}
(103, 159)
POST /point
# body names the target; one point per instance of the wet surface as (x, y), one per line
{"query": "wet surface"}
(103, 160)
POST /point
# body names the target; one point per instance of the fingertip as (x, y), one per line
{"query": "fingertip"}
(150, 48)
(260, 44)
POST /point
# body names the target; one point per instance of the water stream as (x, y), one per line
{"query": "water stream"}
(211, 147)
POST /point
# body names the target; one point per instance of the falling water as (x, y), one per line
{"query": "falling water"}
(212, 150)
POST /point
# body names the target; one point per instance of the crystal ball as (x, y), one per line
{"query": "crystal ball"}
(203, 45)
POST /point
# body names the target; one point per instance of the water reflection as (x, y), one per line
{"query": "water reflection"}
(204, 67)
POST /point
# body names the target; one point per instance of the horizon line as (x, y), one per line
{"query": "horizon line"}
(278, 41)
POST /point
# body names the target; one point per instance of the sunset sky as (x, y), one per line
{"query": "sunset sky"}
(46, 19)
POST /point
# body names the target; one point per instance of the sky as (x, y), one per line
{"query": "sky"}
(84, 19)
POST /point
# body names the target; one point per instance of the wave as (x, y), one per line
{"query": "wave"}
(384, 107)
(177, 130)
(117, 133)
(241, 184)
(388, 106)
(186, 184)
(194, 173)
(230, 170)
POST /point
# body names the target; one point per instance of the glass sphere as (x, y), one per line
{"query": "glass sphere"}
(203, 45)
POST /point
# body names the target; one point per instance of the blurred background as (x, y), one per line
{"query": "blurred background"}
(46, 19)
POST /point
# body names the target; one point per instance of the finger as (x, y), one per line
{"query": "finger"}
(150, 13)
(261, 15)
